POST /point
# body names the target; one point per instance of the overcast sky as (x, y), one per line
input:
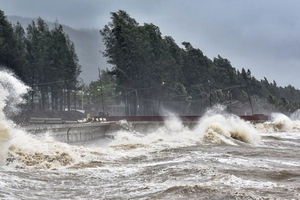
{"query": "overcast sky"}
(260, 35)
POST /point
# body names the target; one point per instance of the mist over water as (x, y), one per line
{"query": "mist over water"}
(221, 157)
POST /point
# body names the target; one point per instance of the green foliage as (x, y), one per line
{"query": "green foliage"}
(142, 60)
(103, 89)
(45, 60)
(8, 45)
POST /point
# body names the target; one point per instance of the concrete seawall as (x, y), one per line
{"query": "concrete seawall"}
(80, 132)
(89, 131)
(73, 132)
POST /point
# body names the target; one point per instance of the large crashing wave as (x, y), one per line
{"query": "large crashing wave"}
(218, 126)
(18, 147)
(11, 90)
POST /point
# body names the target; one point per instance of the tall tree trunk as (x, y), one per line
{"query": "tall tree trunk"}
(61, 100)
(68, 99)
(75, 100)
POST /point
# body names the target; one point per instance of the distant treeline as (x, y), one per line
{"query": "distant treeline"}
(152, 72)
(43, 59)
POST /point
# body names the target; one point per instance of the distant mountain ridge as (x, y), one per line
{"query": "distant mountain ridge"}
(88, 44)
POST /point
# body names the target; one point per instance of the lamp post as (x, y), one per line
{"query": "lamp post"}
(161, 93)
(82, 98)
(137, 103)
(101, 91)
(80, 82)
(229, 96)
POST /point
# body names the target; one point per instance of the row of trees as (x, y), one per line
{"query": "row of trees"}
(44, 59)
(153, 71)
(149, 72)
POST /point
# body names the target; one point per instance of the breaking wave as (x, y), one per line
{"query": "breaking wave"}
(216, 126)
(279, 123)
(11, 90)
(19, 148)
(219, 126)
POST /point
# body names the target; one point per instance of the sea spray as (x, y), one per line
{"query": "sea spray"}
(218, 126)
(280, 123)
(11, 90)
(170, 135)
(4, 131)
(18, 147)
(295, 115)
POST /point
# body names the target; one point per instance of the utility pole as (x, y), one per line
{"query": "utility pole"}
(82, 97)
(209, 93)
(229, 96)
(101, 91)
(160, 97)
(137, 102)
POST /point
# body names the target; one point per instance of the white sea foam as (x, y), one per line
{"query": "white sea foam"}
(279, 123)
(215, 126)
(218, 126)
(11, 90)
(17, 145)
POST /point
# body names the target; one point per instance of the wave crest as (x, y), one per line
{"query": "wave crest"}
(279, 123)
(223, 127)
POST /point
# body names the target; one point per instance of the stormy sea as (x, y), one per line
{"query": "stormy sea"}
(222, 157)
